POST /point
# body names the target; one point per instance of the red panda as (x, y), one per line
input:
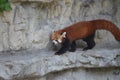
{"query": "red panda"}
(84, 30)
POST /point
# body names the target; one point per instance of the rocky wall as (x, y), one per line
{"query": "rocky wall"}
(30, 22)
(25, 47)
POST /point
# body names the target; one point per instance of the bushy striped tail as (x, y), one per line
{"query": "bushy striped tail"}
(108, 25)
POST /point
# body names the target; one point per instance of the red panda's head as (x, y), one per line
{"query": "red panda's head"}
(58, 37)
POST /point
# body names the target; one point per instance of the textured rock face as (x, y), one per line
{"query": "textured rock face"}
(25, 48)
(29, 24)
(31, 0)
(86, 74)
(39, 65)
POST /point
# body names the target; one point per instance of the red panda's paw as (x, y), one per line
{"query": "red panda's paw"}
(59, 53)
(72, 50)
(85, 49)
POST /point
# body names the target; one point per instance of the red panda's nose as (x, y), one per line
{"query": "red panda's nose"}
(54, 42)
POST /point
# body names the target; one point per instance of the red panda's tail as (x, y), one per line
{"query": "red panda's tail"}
(107, 25)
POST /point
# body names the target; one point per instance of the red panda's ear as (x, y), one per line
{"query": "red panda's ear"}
(64, 34)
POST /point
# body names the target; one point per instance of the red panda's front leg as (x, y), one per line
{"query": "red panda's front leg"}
(65, 47)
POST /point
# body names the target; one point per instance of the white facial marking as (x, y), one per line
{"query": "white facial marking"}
(55, 42)
(59, 40)
(64, 34)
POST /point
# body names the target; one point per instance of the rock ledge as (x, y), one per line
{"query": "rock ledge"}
(34, 63)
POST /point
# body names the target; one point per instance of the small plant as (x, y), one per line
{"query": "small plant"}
(5, 5)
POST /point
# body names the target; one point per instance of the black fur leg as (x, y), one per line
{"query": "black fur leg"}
(73, 47)
(90, 42)
(64, 48)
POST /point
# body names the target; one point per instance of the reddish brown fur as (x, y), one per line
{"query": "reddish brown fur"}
(86, 28)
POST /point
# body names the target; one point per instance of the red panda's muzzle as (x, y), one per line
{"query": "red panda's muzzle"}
(55, 42)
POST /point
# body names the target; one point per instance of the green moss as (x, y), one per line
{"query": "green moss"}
(5, 5)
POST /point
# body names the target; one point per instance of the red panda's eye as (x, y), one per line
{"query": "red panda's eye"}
(54, 40)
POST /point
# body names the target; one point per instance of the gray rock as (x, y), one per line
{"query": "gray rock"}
(37, 63)
(30, 25)
(26, 49)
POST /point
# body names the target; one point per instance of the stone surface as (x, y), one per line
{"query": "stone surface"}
(31, 0)
(86, 74)
(23, 65)
(30, 24)
(25, 47)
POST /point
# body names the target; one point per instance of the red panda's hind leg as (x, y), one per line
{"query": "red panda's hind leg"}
(72, 47)
(90, 42)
